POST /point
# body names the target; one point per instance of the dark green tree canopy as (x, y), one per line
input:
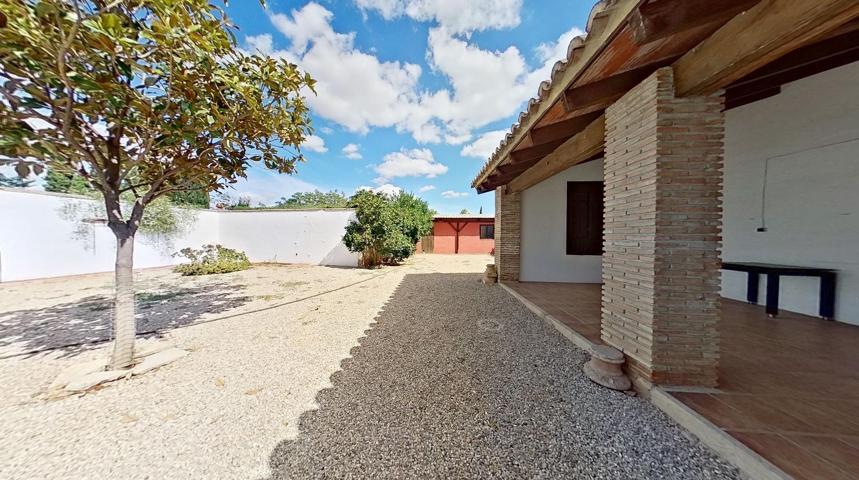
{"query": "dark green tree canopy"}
(314, 199)
(387, 228)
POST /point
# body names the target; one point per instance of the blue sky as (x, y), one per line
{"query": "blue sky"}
(412, 94)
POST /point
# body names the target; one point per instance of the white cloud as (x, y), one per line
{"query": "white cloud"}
(551, 52)
(485, 85)
(351, 152)
(426, 188)
(417, 162)
(327, 130)
(387, 189)
(458, 16)
(314, 144)
(374, 93)
(484, 146)
(452, 194)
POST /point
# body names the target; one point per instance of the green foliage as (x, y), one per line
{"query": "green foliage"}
(464, 211)
(386, 228)
(413, 216)
(14, 182)
(56, 181)
(212, 259)
(149, 97)
(314, 199)
(197, 197)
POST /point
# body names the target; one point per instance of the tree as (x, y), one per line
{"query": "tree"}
(386, 228)
(56, 181)
(14, 182)
(314, 199)
(197, 197)
(464, 211)
(141, 98)
(413, 215)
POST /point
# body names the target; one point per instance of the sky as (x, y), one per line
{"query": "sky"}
(411, 94)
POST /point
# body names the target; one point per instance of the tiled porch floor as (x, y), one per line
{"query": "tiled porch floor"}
(789, 386)
(577, 305)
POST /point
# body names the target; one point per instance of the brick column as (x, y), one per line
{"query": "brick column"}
(663, 220)
(507, 234)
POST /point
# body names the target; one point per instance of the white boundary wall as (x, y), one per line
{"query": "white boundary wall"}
(37, 240)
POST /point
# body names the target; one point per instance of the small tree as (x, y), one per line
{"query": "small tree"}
(314, 199)
(142, 98)
(386, 229)
(464, 211)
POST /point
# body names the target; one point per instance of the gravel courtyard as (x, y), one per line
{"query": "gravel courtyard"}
(450, 378)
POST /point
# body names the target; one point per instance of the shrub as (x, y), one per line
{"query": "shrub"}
(212, 259)
(387, 228)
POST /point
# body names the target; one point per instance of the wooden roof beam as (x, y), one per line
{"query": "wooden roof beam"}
(656, 20)
(563, 129)
(767, 31)
(587, 144)
(535, 152)
(801, 63)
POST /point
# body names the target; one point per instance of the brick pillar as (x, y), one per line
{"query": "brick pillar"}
(507, 234)
(663, 220)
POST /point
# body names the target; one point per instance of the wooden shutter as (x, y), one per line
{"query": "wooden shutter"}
(584, 218)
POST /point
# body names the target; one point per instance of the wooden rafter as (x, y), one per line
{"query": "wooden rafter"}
(806, 61)
(655, 20)
(585, 145)
(759, 36)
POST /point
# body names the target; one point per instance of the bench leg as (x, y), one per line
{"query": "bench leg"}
(752, 288)
(827, 296)
(772, 294)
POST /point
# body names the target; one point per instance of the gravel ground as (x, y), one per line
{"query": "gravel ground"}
(217, 413)
(458, 380)
(451, 379)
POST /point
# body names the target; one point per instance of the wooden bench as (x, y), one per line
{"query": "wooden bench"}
(774, 272)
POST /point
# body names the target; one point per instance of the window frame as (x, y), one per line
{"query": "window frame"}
(486, 236)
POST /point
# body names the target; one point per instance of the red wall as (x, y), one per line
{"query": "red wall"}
(469, 237)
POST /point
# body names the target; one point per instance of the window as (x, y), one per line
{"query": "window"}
(487, 231)
(584, 218)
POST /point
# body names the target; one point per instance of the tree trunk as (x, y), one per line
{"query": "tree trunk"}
(123, 313)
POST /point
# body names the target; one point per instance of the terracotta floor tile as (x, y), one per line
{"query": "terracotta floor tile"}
(832, 449)
(793, 374)
(793, 459)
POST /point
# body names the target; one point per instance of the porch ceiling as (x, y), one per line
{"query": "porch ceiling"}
(628, 40)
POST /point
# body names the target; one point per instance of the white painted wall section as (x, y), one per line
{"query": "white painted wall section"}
(810, 133)
(543, 254)
(37, 240)
(311, 236)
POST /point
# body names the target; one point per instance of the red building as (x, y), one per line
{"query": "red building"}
(460, 234)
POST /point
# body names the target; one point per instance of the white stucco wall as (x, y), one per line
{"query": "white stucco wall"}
(37, 240)
(301, 236)
(543, 254)
(812, 200)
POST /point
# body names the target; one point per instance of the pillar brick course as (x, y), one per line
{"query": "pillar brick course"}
(663, 219)
(508, 235)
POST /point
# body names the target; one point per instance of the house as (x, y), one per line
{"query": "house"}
(466, 233)
(682, 150)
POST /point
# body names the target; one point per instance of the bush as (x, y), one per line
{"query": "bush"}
(387, 228)
(212, 259)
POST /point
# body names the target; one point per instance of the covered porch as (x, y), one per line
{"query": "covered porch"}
(788, 386)
(721, 134)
